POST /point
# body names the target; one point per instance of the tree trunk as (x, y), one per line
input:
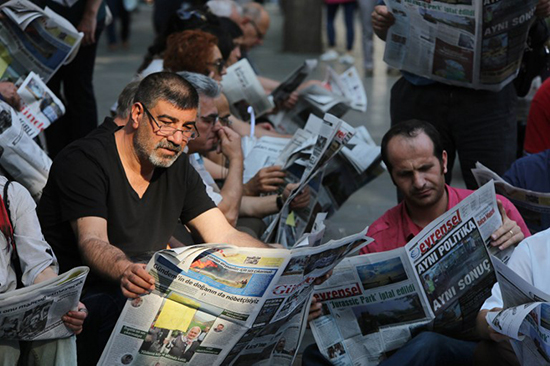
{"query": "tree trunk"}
(302, 25)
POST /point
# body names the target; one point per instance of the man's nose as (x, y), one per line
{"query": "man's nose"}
(177, 138)
(419, 180)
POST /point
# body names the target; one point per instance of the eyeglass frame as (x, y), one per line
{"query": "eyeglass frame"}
(160, 127)
(219, 64)
(259, 34)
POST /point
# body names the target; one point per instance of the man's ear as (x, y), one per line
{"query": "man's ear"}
(444, 161)
(136, 115)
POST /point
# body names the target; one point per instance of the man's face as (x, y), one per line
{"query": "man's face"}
(220, 327)
(160, 151)
(193, 333)
(416, 171)
(216, 65)
(254, 31)
(207, 126)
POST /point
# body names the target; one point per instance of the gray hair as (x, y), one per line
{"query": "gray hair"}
(224, 8)
(203, 84)
(126, 99)
(252, 11)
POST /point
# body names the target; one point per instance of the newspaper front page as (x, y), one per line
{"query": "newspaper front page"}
(34, 312)
(534, 207)
(525, 318)
(40, 107)
(34, 39)
(218, 304)
(438, 281)
(475, 44)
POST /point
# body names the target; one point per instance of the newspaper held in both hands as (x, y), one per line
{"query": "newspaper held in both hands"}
(22, 158)
(525, 318)
(375, 303)
(34, 39)
(217, 304)
(475, 44)
(34, 312)
(534, 207)
(39, 105)
(293, 81)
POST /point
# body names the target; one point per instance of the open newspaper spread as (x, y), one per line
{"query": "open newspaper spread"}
(34, 312)
(526, 318)
(534, 207)
(374, 303)
(218, 304)
(34, 39)
(475, 44)
(22, 158)
(40, 107)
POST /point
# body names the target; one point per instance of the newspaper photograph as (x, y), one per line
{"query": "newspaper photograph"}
(525, 317)
(475, 44)
(438, 281)
(40, 107)
(218, 304)
(534, 207)
(20, 155)
(242, 89)
(34, 312)
(34, 39)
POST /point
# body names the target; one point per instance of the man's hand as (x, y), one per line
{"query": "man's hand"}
(230, 143)
(9, 94)
(265, 181)
(74, 319)
(382, 20)
(136, 281)
(314, 310)
(301, 200)
(265, 126)
(493, 334)
(543, 9)
(509, 233)
(88, 25)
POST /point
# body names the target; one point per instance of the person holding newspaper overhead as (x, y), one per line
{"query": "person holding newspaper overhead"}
(114, 198)
(19, 226)
(417, 164)
(479, 125)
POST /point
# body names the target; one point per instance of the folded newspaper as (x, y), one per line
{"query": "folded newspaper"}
(20, 156)
(375, 303)
(534, 207)
(525, 319)
(219, 304)
(40, 107)
(475, 44)
(34, 312)
(293, 81)
(34, 39)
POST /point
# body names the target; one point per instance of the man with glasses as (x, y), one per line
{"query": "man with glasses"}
(114, 198)
(215, 136)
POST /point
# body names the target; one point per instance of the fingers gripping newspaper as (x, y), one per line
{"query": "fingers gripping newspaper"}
(219, 304)
(375, 303)
(34, 39)
(34, 312)
(534, 207)
(475, 44)
(525, 318)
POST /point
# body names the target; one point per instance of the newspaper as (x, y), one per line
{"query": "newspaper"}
(34, 39)
(292, 82)
(242, 89)
(348, 85)
(475, 44)
(525, 318)
(375, 303)
(34, 312)
(39, 105)
(534, 207)
(20, 156)
(218, 304)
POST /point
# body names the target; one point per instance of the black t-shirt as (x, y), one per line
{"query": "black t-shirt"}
(87, 179)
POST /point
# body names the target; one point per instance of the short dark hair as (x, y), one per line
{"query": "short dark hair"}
(169, 87)
(411, 129)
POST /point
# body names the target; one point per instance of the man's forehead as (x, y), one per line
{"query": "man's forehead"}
(207, 105)
(403, 148)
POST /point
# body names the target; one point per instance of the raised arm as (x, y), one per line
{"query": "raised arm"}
(109, 261)
(382, 20)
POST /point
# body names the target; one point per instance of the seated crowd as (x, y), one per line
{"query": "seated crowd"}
(149, 177)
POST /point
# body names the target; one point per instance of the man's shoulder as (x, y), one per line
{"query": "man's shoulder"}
(95, 147)
(388, 220)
